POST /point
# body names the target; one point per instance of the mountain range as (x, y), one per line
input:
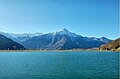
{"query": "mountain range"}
(61, 39)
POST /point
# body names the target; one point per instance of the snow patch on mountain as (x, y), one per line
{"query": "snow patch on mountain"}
(66, 32)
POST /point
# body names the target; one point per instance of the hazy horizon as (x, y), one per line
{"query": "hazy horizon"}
(91, 18)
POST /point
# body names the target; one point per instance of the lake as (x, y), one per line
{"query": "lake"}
(59, 65)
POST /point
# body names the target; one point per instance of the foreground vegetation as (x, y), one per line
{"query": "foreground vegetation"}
(113, 45)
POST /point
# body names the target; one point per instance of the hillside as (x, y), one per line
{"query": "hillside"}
(6, 43)
(113, 45)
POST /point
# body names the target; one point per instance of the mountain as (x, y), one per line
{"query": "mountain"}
(6, 43)
(113, 45)
(61, 39)
(20, 37)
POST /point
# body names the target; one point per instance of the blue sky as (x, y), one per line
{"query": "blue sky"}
(92, 18)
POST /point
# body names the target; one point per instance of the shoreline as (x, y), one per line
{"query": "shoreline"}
(57, 50)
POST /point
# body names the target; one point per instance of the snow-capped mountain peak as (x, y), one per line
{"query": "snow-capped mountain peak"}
(64, 31)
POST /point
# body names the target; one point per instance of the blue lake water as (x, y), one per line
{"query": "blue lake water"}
(59, 65)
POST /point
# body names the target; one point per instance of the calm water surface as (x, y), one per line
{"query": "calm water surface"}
(59, 65)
